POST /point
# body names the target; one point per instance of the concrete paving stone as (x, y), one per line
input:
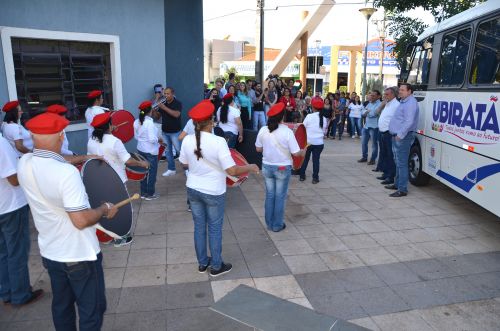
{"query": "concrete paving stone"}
(356, 279)
(395, 273)
(386, 213)
(319, 283)
(115, 259)
(492, 242)
(39, 325)
(401, 224)
(113, 277)
(406, 320)
(457, 289)
(321, 208)
(180, 216)
(181, 239)
(147, 275)
(437, 248)
(370, 205)
(345, 228)
(366, 322)
(180, 226)
(341, 305)
(264, 259)
(251, 235)
(335, 198)
(407, 252)
(433, 211)
(332, 218)
(448, 317)
(381, 300)
(483, 313)
(189, 295)
(357, 241)
(244, 223)
(302, 301)
(177, 255)
(430, 269)
(346, 206)
(445, 233)
(147, 320)
(202, 318)
(147, 257)
(153, 207)
(455, 219)
(341, 260)
(389, 238)
(222, 287)
(293, 247)
(150, 217)
(302, 192)
(112, 300)
(468, 246)
(472, 263)
(487, 282)
(232, 253)
(305, 263)
(326, 244)
(7, 312)
(297, 210)
(309, 219)
(418, 235)
(374, 255)
(313, 231)
(284, 287)
(137, 299)
(155, 241)
(150, 228)
(408, 211)
(37, 311)
(373, 226)
(359, 215)
(289, 233)
(427, 221)
(357, 196)
(493, 227)
(472, 230)
(419, 295)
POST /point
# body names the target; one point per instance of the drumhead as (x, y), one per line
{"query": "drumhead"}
(103, 184)
(123, 120)
(301, 135)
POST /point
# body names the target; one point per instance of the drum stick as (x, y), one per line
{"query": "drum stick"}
(126, 201)
(123, 123)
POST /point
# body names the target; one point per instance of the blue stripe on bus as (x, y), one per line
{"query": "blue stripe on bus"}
(467, 185)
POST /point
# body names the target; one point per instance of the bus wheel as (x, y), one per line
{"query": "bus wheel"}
(417, 176)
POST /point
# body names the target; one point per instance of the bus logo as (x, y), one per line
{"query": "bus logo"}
(493, 98)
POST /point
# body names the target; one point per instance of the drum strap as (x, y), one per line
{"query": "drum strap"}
(280, 147)
(55, 209)
(219, 169)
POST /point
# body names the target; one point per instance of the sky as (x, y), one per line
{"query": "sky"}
(344, 24)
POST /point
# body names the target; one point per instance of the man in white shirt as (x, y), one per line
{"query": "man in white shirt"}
(95, 101)
(14, 233)
(386, 158)
(65, 223)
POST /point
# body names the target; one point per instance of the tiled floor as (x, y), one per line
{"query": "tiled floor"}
(429, 261)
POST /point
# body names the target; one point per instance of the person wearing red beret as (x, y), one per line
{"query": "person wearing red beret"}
(229, 118)
(148, 144)
(209, 160)
(95, 100)
(277, 143)
(15, 133)
(61, 110)
(314, 124)
(65, 223)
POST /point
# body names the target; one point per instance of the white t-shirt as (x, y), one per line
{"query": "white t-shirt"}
(189, 127)
(272, 154)
(202, 177)
(355, 110)
(113, 151)
(12, 197)
(230, 125)
(147, 136)
(387, 114)
(314, 131)
(89, 116)
(13, 132)
(53, 188)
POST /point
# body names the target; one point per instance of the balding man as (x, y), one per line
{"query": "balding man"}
(65, 223)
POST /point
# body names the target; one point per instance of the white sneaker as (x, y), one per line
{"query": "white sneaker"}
(169, 173)
(353, 137)
(186, 172)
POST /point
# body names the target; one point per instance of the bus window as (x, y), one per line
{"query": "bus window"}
(419, 63)
(453, 61)
(486, 61)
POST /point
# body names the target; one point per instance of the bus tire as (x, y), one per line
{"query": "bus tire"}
(416, 174)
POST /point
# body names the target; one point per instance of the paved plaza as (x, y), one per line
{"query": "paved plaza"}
(428, 261)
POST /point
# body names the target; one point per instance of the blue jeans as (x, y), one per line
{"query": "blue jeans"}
(171, 139)
(81, 283)
(370, 133)
(259, 119)
(386, 156)
(231, 139)
(315, 150)
(148, 183)
(355, 125)
(208, 212)
(276, 179)
(401, 150)
(335, 123)
(14, 249)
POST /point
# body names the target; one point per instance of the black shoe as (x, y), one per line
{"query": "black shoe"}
(376, 170)
(340, 138)
(35, 295)
(391, 187)
(203, 268)
(302, 178)
(6, 302)
(315, 181)
(398, 194)
(224, 269)
(381, 178)
(387, 182)
(333, 137)
(371, 162)
(362, 160)
(295, 172)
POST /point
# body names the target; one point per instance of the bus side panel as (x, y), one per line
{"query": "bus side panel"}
(431, 155)
(474, 176)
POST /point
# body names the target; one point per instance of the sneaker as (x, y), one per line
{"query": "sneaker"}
(123, 241)
(302, 178)
(224, 269)
(371, 162)
(203, 268)
(169, 173)
(398, 194)
(143, 197)
(362, 160)
(353, 137)
(189, 208)
(315, 181)
(152, 197)
(35, 295)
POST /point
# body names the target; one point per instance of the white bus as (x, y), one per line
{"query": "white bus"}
(455, 69)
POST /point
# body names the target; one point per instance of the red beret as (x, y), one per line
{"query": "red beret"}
(145, 104)
(202, 111)
(227, 96)
(94, 94)
(56, 109)
(101, 119)
(47, 123)
(317, 103)
(276, 109)
(10, 105)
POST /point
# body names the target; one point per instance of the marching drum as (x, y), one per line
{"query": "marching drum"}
(299, 130)
(240, 161)
(136, 173)
(160, 151)
(102, 183)
(123, 121)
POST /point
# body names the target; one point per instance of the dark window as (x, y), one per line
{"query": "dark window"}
(63, 72)
(453, 62)
(420, 64)
(486, 61)
(314, 61)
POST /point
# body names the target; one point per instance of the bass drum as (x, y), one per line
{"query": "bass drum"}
(240, 161)
(299, 131)
(123, 121)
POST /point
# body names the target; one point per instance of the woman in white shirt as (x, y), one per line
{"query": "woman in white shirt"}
(276, 142)
(314, 124)
(95, 101)
(229, 120)
(15, 133)
(209, 160)
(148, 144)
(355, 110)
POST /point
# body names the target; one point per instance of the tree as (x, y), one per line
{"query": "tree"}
(406, 29)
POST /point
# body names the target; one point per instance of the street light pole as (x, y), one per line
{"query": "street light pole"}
(318, 44)
(367, 13)
(259, 44)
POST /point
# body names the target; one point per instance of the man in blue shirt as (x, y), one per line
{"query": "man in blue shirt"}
(370, 130)
(402, 128)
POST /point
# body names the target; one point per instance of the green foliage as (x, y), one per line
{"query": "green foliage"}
(236, 76)
(374, 84)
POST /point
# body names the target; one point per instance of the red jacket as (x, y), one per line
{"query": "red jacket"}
(290, 102)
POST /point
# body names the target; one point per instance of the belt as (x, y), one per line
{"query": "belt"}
(384, 132)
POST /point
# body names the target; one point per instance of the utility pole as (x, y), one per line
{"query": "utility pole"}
(259, 43)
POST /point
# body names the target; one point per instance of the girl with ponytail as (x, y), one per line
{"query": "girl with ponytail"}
(229, 118)
(209, 160)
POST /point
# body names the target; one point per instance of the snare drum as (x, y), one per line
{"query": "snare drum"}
(135, 173)
(299, 131)
(240, 161)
